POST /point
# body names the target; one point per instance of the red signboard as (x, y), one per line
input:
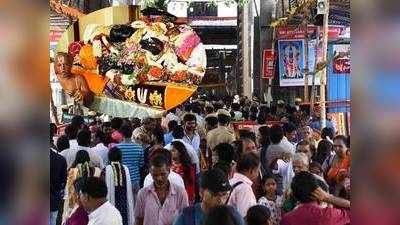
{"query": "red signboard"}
(268, 64)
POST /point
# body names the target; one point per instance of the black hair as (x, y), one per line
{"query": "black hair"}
(62, 143)
(223, 119)
(53, 130)
(327, 132)
(115, 155)
(126, 130)
(184, 159)
(276, 134)
(83, 138)
(222, 215)
(212, 121)
(225, 152)
(248, 161)
(94, 187)
(209, 109)
(189, 117)
(264, 134)
(269, 176)
(71, 132)
(235, 106)
(116, 123)
(288, 128)
(159, 134)
(81, 157)
(261, 118)
(172, 124)
(101, 136)
(136, 123)
(178, 132)
(343, 138)
(258, 215)
(211, 176)
(77, 121)
(324, 149)
(303, 184)
(160, 160)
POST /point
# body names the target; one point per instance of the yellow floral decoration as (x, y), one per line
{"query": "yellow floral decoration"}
(129, 94)
(155, 98)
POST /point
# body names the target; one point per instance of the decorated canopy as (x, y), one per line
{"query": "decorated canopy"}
(139, 68)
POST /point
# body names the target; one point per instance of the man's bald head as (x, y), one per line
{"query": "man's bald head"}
(64, 55)
(63, 64)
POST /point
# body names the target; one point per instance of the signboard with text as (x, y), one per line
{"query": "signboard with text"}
(268, 64)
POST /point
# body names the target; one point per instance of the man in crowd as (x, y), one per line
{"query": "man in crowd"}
(132, 157)
(278, 142)
(83, 140)
(93, 197)
(144, 135)
(214, 190)
(242, 196)
(290, 133)
(160, 202)
(100, 148)
(58, 179)
(191, 136)
(71, 132)
(306, 147)
(211, 122)
(306, 190)
(221, 134)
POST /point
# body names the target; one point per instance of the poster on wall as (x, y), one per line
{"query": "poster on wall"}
(341, 65)
(291, 62)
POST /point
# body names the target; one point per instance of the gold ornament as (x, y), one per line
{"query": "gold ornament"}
(129, 94)
(155, 98)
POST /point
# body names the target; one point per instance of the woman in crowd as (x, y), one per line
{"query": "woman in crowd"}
(271, 199)
(72, 213)
(182, 165)
(119, 187)
(324, 151)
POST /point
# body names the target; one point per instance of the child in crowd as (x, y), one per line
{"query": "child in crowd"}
(271, 199)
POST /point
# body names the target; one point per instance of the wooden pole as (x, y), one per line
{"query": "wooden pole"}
(53, 109)
(323, 75)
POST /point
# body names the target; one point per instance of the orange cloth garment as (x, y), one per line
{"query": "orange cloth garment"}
(96, 83)
(343, 164)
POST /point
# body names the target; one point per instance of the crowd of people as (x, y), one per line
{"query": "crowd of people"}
(191, 167)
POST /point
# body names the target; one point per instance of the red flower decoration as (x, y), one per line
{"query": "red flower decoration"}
(74, 48)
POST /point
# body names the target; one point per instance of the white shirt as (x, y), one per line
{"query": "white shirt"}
(195, 142)
(242, 197)
(70, 155)
(172, 177)
(285, 170)
(106, 214)
(191, 152)
(170, 116)
(102, 151)
(73, 144)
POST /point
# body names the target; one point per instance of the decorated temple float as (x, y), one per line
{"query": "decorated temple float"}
(137, 63)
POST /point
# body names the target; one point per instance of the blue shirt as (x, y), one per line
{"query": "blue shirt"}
(168, 138)
(133, 158)
(194, 214)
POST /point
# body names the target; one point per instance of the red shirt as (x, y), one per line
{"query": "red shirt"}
(313, 214)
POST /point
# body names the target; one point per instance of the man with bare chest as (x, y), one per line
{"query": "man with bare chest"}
(74, 85)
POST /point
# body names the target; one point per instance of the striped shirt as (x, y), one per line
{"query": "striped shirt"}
(133, 158)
